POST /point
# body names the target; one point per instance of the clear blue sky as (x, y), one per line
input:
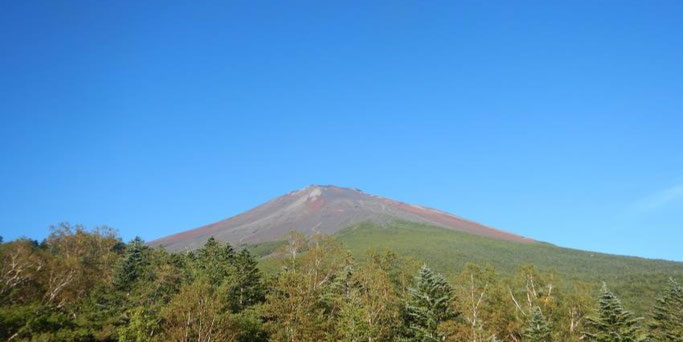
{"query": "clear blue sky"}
(559, 122)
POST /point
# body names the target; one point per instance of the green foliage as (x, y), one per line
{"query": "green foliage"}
(612, 323)
(538, 329)
(667, 322)
(214, 261)
(353, 324)
(102, 312)
(81, 285)
(298, 306)
(428, 306)
(265, 249)
(246, 289)
(250, 326)
(196, 313)
(637, 280)
(132, 266)
(141, 326)
(483, 302)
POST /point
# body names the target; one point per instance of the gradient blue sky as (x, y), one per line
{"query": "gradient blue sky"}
(562, 122)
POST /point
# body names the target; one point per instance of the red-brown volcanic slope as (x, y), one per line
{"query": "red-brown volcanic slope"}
(321, 209)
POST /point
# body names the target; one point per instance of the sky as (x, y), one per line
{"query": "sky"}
(560, 121)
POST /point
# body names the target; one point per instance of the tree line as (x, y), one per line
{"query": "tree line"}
(87, 285)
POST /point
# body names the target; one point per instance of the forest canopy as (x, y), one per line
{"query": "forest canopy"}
(88, 285)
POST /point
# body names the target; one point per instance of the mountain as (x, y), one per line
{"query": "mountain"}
(637, 280)
(326, 210)
(363, 222)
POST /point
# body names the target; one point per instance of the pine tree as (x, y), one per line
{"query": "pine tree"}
(132, 265)
(215, 261)
(215, 251)
(538, 329)
(612, 323)
(247, 287)
(428, 305)
(667, 324)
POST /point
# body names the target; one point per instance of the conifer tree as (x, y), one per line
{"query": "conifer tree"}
(132, 265)
(247, 288)
(215, 261)
(611, 323)
(667, 324)
(428, 305)
(538, 329)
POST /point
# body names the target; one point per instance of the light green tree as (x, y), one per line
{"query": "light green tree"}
(667, 323)
(140, 328)
(538, 328)
(428, 306)
(611, 323)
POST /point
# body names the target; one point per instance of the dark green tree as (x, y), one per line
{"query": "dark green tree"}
(611, 323)
(102, 312)
(247, 286)
(428, 305)
(538, 329)
(215, 261)
(667, 323)
(132, 265)
(36, 322)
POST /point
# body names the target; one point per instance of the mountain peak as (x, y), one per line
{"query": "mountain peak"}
(327, 187)
(322, 209)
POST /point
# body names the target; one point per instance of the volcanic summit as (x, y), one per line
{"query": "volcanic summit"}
(325, 210)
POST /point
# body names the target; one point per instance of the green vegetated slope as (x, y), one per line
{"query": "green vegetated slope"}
(636, 280)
